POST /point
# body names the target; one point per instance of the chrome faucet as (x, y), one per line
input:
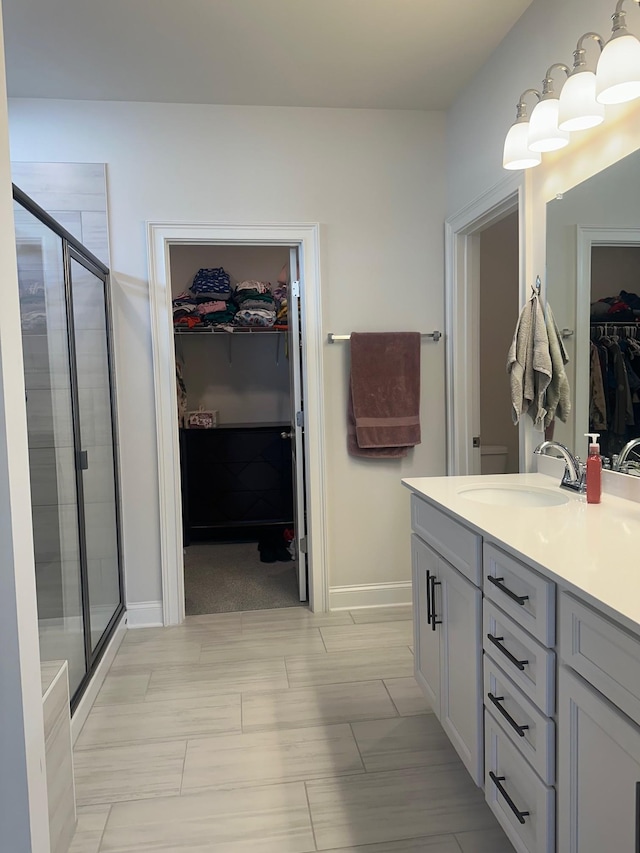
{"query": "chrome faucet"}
(574, 471)
(624, 453)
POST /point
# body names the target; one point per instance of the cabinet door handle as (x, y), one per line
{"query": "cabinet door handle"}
(434, 620)
(428, 597)
(499, 582)
(637, 850)
(507, 716)
(497, 781)
(514, 660)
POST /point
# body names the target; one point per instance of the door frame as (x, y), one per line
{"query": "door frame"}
(462, 338)
(306, 238)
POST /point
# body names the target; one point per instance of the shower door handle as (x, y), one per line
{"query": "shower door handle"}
(83, 460)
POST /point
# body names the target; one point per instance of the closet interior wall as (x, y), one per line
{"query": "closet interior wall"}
(613, 269)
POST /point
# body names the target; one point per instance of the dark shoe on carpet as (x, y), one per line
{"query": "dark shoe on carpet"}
(268, 555)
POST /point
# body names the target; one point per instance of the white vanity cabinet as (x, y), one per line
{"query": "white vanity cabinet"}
(598, 744)
(448, 650)
(559, 743)
(598, 772)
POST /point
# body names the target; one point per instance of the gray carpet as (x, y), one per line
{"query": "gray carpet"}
(221, 577)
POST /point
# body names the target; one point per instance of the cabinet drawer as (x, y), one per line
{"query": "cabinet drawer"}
(522, 792)
(525, 660)
(521, 592)
(527, 728)
(604, 653)
(455, 542)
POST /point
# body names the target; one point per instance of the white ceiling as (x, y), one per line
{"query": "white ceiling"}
(395, 54)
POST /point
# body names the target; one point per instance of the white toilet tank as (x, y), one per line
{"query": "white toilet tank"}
(493, 459)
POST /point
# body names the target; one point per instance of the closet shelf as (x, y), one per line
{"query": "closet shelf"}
(239, 330)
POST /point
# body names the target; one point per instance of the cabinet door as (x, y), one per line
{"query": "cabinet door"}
(459, 605)
(598, 772)
(426, 565)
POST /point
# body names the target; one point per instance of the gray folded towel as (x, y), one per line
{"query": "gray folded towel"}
(529, 364)
(384, 396)
(558, 398)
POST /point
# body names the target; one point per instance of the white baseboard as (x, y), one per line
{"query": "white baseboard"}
(145, 614)
(93, 688)
(370, 595)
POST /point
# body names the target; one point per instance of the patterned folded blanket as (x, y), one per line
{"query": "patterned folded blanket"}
(251, 284)
(256, 317)
(211, 307)
(215, 280)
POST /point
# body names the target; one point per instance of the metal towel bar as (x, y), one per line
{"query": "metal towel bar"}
(331, 338)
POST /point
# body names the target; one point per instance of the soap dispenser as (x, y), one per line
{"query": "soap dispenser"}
(594, 469)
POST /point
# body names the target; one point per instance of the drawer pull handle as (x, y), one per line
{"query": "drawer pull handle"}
(514, 660)
(637, 850)
(428, 597)
(499, 582)
(497, 781)
(434, 621)
(507, 716)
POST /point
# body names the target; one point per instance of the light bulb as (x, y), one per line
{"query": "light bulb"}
(544, 134)
(618, 72)
(578, 108)
(516, 151)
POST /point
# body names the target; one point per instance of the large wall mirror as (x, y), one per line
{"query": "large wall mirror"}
(593, 286)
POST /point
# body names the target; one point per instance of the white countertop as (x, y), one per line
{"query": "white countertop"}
(593, 549)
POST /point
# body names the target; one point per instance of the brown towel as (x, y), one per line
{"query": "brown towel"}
(384, 394)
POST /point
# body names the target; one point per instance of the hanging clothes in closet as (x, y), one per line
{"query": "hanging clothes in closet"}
(614, 403)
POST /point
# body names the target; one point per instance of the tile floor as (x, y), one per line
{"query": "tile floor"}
(273, 731)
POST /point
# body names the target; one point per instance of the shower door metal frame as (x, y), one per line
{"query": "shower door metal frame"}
(72, 249)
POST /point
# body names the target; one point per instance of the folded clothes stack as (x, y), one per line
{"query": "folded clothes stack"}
(624, 306)
(213, 282)
(208, 303)
(282, 310)
(256, 305)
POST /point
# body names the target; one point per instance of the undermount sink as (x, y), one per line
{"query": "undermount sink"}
(525, 496)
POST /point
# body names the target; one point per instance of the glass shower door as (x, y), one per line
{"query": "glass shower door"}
(50, 431)
(97, 464)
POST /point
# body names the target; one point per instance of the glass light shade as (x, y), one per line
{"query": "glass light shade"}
(516, 148)
(544, 134)
(618, 72)
(578, 106)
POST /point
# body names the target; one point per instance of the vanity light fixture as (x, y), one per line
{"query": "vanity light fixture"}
(517, 154)
(618, 71)
(544, 133)
(578, 108)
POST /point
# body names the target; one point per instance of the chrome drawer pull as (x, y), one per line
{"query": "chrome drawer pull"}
(507, 716)
(499, 582)
(497, 780)
(514, 660)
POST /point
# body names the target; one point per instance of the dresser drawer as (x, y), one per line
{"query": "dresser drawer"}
(528, 729)
(604, 654)
(524, 806)
(521, 592)
(457, 544)
(529, 664)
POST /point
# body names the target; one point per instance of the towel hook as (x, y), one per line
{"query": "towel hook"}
(535, 288)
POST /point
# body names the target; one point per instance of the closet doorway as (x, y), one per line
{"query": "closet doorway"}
(239, 388)
(497, 318)
(484, 288)
(304, 238)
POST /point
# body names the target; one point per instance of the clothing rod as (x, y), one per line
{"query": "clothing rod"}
(331, 338)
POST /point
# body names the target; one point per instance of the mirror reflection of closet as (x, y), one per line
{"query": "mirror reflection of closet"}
(595, 224)
(614, 405)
